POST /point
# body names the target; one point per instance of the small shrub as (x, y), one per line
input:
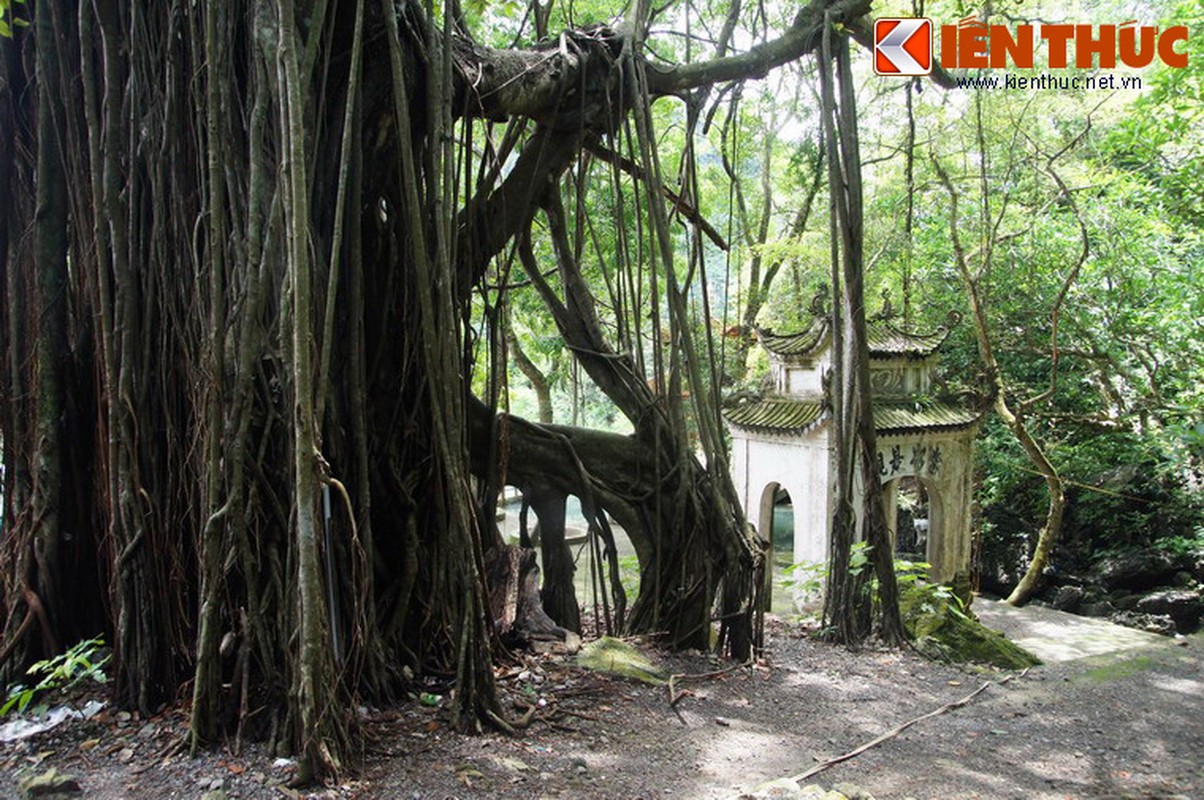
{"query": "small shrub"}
(85, 661)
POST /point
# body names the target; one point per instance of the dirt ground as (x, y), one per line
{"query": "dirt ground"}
(1124, 725)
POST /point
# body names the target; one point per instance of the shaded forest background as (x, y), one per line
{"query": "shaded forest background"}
(291, 292)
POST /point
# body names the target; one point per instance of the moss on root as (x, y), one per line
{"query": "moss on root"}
(941, 630)
(616, 657)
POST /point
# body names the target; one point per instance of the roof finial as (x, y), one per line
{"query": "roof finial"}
(819, 302)
(888, 311)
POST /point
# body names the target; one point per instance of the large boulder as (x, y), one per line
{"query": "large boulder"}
(1152, 623)
(1136, 570)
(1184, 606)
(1098, 608)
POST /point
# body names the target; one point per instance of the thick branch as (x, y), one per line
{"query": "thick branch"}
(801, 38)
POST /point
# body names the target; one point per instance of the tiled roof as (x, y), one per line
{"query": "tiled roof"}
(803, 343)
(885, 340)
(902, 417)
(775, 416)
(798, 416)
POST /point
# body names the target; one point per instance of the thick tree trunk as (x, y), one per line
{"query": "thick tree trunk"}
(559, 593)
(50, 336)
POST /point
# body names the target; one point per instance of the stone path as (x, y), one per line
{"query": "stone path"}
(1113, 713)
(1055, 636)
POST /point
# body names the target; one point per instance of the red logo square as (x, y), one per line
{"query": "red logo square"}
(903, 46)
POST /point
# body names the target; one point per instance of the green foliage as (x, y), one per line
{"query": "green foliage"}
(83, 662)
(1124, 491)
(859, 558)
(1162, 139)
(803, 577)
(809, 577)
(1190, 545)
(629, 576)
(9, 18)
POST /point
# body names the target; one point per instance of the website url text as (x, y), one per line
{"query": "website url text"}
(1057, 83)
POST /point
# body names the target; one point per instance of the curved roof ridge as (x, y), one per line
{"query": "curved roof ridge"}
(777, 415)
(889, 339)
(802, 343)
(798, 417)
(886, 338)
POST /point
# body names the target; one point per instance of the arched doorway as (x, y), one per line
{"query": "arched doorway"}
(914, 517)
(913, 520)
(776, 519)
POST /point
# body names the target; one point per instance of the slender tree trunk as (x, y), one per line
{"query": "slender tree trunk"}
(1048, 535)
(318, 733)
(539, 381)
(207, 677)
(854, 432)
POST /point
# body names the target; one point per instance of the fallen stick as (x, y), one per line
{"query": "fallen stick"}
(818, 768)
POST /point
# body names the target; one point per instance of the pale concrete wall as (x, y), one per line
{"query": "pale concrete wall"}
(949, 488)
(801, 379)
(801, 467)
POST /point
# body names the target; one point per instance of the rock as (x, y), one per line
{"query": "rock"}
(1184, 606)
(1154, 623)
(570, 645)
(1136, 570)
(1100, 608)
(517, 765)
(783, 789)
(1127, 602)
(1068, 598)
(616, 657)
(49, 785)
(214, 794)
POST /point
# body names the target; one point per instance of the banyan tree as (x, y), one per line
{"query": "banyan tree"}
(253, 256)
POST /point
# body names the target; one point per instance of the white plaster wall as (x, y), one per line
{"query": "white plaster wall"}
(803, 381)
(800, 466)
(950, 495)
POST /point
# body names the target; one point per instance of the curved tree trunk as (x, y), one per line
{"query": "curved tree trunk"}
(539, 381)
(1048, 535)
